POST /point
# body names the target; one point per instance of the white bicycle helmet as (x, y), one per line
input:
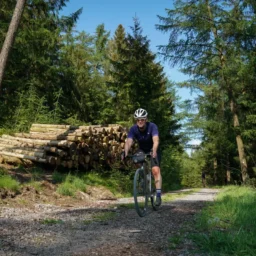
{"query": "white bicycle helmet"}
(140, 113)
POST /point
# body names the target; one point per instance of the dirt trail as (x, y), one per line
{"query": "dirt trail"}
(75, 231)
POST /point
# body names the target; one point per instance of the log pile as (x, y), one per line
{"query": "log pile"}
(66, 145)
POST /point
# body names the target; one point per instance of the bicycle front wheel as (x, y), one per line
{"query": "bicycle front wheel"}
(140, 192)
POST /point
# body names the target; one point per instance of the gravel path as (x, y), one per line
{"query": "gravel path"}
(75, 231)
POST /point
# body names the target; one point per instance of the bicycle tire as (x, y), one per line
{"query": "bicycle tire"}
(140, 192)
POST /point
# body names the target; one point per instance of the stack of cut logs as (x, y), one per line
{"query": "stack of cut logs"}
(70, 146)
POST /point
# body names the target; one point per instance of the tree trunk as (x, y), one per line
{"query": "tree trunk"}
(55, 143)
(228, 173)
(239, 142)
(228, 89)
(10, 36)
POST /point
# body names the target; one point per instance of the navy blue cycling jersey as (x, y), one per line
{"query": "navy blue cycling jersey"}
(144, 138)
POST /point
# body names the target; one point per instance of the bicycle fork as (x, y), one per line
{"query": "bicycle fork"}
(149, 182)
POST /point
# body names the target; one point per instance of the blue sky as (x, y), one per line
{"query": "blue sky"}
(115, 12)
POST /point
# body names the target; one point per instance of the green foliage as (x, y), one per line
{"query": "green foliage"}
(117, 182)
(175, 241)
(214, 43)
(227, 226)
(137, 80)
(33, 66)
(85, 95)
(32, 109)
(192, 168)
(58, 177)
(35, 184)
(171, 167)
(3, 171)
(7, 182)
(5, 131)
(71, 185)
(57, 75)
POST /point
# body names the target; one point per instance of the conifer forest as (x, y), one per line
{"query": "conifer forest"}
(52, 74)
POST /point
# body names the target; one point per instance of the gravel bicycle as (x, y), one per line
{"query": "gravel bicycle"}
(143, 184)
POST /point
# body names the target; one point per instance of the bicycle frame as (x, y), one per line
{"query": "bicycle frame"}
(142, 187)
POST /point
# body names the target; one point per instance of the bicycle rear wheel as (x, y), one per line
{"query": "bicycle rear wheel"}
(140, 192)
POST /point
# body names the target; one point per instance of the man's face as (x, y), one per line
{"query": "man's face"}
(141, 122)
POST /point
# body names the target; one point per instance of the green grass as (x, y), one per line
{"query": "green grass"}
(35, 184)
(175, 241)
(36, 173)
(58, 177)
(71, 185)
(227, 227)
(7, 182)
(118, 183)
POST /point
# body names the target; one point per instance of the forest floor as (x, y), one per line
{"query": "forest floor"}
(41, 222)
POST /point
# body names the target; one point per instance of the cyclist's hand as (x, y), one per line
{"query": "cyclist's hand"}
(154, 154)
(123, 156)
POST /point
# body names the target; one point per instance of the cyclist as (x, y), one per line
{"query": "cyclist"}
(147, 136)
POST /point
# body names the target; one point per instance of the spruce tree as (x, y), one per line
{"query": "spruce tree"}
(137, 80)
(119, 104)
(35, 56)
(208, 39)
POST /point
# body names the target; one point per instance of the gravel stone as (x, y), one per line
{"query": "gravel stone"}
(53, 230)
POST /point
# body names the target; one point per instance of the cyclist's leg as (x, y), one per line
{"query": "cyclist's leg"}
(157, 176)
(156, 171)
(158, 179)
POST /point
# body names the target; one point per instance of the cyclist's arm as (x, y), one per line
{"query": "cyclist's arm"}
(127, 146)
(155, 146)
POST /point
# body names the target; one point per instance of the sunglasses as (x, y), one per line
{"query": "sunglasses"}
(141, 120)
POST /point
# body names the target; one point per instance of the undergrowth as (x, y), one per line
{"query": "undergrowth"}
(118, 183)
(7, 182)
(227, 227)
